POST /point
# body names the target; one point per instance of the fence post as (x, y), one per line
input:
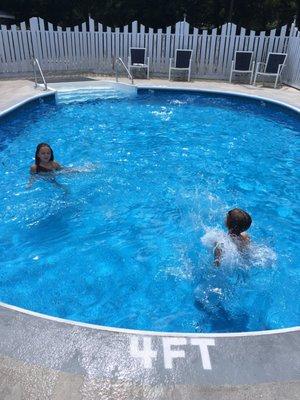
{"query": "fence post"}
(84, 45)
(91, 34)
(159, 49)
(150, 48)
(134, 34)
(230, 49)
(185, 33)
(44, 61)
(18, 62)
(203, 61)
(34, 28)
(221, 50)
(52, 47)
(291, 74)
(168, 48)
(195, 60)
(5, 46)
(23, 33)
(109, 55)
(280, 48)
(177, 36)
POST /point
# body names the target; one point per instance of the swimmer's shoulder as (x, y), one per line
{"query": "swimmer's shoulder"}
(56, 166)
(33, 169)
(245, 237)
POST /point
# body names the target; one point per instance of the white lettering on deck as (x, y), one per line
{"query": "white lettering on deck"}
(170, 353)
(171, 350)
(146, 353)
(203, 343)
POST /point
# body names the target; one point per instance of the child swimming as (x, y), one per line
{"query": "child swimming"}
(45, 166)
(234, 248)
(44, 160)
(237, 222)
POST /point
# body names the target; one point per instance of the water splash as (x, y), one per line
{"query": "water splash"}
(255, 255)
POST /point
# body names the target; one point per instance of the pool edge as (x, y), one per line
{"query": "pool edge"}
(232, 93)
(25, 101)
(52, 91)
(145, 332)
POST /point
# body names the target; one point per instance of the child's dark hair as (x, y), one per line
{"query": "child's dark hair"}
(238, 221)
(38, 147)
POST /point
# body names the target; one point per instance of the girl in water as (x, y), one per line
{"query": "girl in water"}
(44, 160)
(45, 166)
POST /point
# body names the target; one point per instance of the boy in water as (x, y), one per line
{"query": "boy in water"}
(237, 222)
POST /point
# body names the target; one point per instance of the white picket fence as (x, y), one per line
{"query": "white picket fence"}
(91, 47)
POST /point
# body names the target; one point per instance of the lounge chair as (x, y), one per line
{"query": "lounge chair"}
(242, 64)
(273, 67)
(137, 59)
(183, 62)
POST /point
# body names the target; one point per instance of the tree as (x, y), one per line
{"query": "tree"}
(252, 14)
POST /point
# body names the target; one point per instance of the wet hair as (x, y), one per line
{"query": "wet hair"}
(38, 148)
(238, 221)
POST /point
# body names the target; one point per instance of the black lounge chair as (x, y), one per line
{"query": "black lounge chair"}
(137, 59)
(273, 67)
(183, 62)
(242, 64)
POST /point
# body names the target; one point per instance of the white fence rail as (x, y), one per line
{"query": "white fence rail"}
(91, 47)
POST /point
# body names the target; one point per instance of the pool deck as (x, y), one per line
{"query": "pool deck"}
(16, 91)
(47, 358)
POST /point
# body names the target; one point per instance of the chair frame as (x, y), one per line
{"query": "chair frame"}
(238, 71)
(145, 65)
(181, 69)
(277, 75)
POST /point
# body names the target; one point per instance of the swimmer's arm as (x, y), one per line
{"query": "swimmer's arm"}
(33, 169)
(32, 176)
(60, 186)
(217, 254)
(69, 170)
(77, 170)
(65, 170)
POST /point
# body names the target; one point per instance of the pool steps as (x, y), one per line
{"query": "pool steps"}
(74, 92)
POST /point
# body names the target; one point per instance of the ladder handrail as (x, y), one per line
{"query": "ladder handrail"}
(36, 62)
(121, 62)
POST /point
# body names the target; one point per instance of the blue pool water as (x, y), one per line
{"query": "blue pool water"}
(129, 244)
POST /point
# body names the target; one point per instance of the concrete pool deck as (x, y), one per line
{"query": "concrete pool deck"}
(15, 91)
(47, 358)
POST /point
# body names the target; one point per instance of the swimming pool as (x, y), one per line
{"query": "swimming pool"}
(123, 247)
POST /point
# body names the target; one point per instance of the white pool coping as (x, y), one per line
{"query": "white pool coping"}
(146, 332)
(23, 102)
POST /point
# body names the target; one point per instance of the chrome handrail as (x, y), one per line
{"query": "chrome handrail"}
(119, 61)
(36, 62)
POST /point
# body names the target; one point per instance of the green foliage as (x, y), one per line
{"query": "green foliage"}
(251, 14)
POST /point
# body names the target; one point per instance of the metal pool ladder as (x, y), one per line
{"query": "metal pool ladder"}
(37, 64)
(118, 62)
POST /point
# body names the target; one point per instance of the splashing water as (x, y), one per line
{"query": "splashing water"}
(256, 255)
